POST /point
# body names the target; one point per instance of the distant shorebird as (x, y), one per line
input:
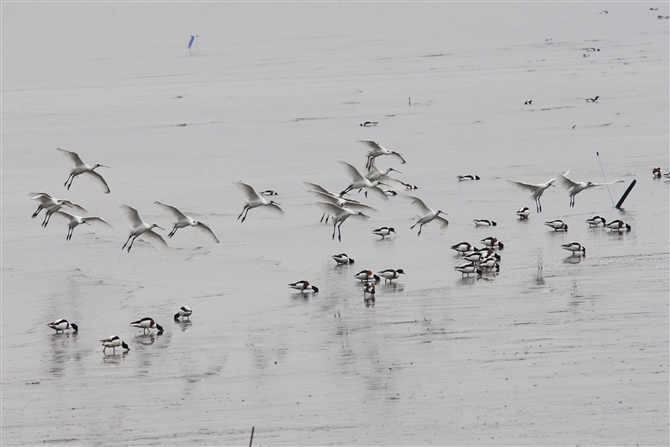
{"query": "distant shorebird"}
(184, 312)
(78, 220)
(369, 124)
(618, 225)
(594, 221)
(463, 178)
(575, 188)
(536, 189)
(342, 258)
(304, 286)
(51, 205)
(140, 228)
(113, 341)
(528, 102)
(523, 213)
(592, 99)
(375, 150)
(253, 200)
(557, 225)
(467, 269)
(367, 275)
(492, 242)
(463, 247)
(656, 172)
(427, 215)
(62, 324)
(269, 192)
(146, 324)
(369, 292)
(575, 247)
(390, 274)
(383, 231)
(484, 223)
(82, 168)
(184, 221)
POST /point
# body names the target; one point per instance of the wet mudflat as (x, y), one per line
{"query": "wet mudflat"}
(555, 350)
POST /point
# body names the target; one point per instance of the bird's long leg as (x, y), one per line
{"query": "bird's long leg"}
(334, 225)
(39, 208)
(131, 243)
(68, 179)
(71, 179)
(245, 213)
(538, 206)
(412, 227)
(174, 230)
(339, 232)
(324, 215)
(47, 216)
(124, 245)
(69, 234)
(243, 210)
(420, 228)
(103, 349)
(572, 200)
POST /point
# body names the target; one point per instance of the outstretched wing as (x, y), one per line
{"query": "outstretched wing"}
(75, 206)
(247, 191)
(330, 208)
(396, 155)
(155, 239)
(418, 203)
(208, 231)
(317, 188)
(444, 223)
(351, 171)
(131, 214)
(379, 193)
(72, 156)
(171, 209)
(566, 182)
(68, 216)
(97, 220)
(372, 146)
(523, 185)
(99, 180)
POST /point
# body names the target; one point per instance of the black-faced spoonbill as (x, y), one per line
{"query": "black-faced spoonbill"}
(184, 221)
(253, 200)
(82, 168)
(375, 150)
(575, 188)
(537, 190)
(339, 215)
(51, 205)
(427, 215)
(75, 221)
(140, 228)
(359, 182)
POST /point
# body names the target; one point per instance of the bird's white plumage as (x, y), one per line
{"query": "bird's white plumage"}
(358, 181)
(83, 168)
(141, 228)
(185, 221)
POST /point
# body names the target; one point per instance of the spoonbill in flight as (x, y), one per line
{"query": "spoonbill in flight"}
(253, 200)
(427, 215)
(51, 205)
(75, 221)
(185, 221)
(575, 188)
(140, 228)
(536, 190)
(82, 168)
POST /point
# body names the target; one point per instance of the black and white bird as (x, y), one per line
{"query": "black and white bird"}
(618, 225)
(557, 225)
(342, 258)
(304, 286)
(184, 312)
(523, 213)
(463, 247)
(656, 172)
(464, 178)
(484, 223)
(594, 221)
(391, 274)
(367, 275)
(269, 192)
(184, 221)
(146, 324)
(383, 231)
(113, 341)
(575, 247)
(369, 292)
(62, 324)
(592, 99)
(492, 242)
(82, 168)
(467, 269)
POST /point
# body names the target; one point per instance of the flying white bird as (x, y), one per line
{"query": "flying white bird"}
(358, 182)
(140, 228)
(427, 215)
(375, 150)
(51, 205)
(253, 200)
(322, 193)
(537, 190)
(340, 214)
(575, 188)
(185, 221)
(78, 220)
(82, 168)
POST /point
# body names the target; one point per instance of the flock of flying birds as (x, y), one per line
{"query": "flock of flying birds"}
(336, 208)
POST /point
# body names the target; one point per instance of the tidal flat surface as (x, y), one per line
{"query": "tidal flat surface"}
(555, 350)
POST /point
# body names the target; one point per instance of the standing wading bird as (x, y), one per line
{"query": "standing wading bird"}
(537, 190)
(576, 248)
(78, 220)
(82, 168)
(253, 200)
(112, 342)
(146, 324)
(557, 225)
(185, 221)
(140, 228)
(383, 231)
(523, 213)
(342, 258)
(359, 182)
(575, 188)
(390, 274)
(592, 99)
(462, 178)
(184, 312)
(369, 292)
(427, 215)
(375, 150)
(656, 172)
(340, 214)
(62, 324)
(618, 225)
(594, 221)
(51, 205)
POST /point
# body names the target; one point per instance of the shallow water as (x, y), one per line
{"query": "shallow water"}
(555, 350)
